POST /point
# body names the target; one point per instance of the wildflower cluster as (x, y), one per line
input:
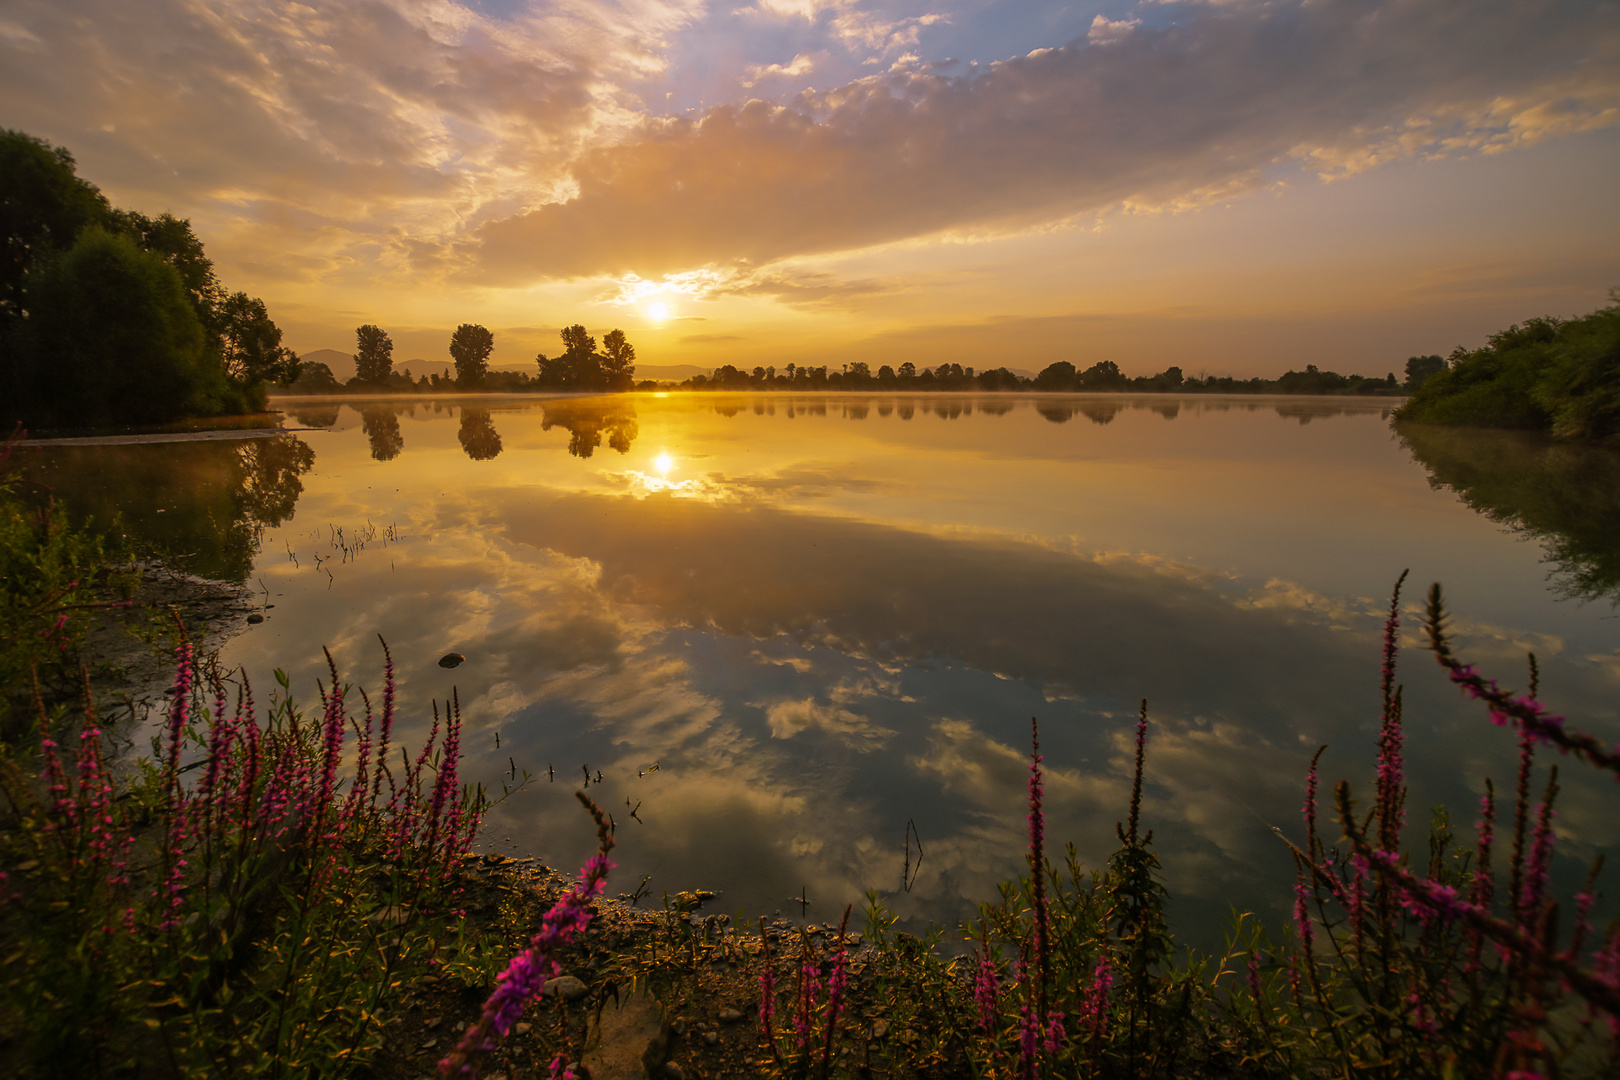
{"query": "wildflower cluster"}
(250, 905)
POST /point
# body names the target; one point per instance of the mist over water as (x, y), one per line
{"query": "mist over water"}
(785, 629)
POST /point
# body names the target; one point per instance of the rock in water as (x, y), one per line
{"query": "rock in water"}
(452, 659)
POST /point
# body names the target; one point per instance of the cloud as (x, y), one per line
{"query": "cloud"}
(1105, 31)
(1201, 110)
(356, 135)
(802, 64)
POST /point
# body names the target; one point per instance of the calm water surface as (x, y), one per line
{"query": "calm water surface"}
(782, 628)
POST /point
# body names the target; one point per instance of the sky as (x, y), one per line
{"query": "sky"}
(1230, 186)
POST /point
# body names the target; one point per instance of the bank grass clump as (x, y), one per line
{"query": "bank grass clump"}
(247, 901)
(53, 579)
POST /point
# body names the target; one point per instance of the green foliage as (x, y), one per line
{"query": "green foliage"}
(44, 207)
(52, 578)
(115, 338)
(1547, 374)
(249, 921)
(90, 334)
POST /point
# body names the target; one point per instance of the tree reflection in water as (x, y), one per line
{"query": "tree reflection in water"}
(202, 506)
(478, 435)
(381, 424)
(1565, 495)
(588, 420)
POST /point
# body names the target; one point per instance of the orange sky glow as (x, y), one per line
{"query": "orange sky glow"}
(1231, 186)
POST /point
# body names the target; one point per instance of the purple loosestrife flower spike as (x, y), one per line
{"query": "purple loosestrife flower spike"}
(767, 987)
(985, 984)
(1525, 712)
(1391, 792)
(1037, 865)
(528, 971)
(1541, 852)
(387, 723)
(836, 982)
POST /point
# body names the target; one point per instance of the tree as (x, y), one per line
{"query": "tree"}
(116, 338)
(1419, 368)
(620, 364)
(470, 347)
(908, 370)
(577, 344)
(374, 358)
(44, 207)
(1057, 376)
(250, 344)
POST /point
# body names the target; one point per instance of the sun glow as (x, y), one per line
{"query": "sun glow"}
(663, 463)
(658, 312)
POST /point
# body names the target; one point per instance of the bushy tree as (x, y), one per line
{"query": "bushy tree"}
(250, 344)
(1419, 368)
(470, 347)
(115, 338)
(44, 207)
(374, 356)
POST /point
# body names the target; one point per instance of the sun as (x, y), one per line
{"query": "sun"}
(658, 312)
(663, 463)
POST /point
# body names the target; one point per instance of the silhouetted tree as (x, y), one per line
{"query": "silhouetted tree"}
(1419, 368)
(1057, 376)
(381, 424)
(250, 344)
(619, 365)
(478, 435)
(116, 338)
(374, 355)
(908, 370)
(43, 208)
(470, 347)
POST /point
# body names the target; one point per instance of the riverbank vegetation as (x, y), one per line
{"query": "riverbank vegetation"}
(1559, 376)
(275, 891)
(108, 316)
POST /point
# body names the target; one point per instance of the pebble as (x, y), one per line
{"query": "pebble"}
(711, 1037)
(255, 618)
(433, 1023)
(522, 1029)
(673, 1071)
(729, 1015)
(564, 986)
(880, 1029)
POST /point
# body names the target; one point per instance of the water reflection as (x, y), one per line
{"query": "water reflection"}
(315, 416)
(203, 505)
(477, 435)
(381, 424)
(588, 420)
(1566, 496)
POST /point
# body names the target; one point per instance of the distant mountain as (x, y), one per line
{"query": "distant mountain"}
(341, 363)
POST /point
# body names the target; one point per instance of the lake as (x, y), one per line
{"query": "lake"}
(801, 638)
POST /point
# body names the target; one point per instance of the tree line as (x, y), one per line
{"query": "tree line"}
(1559, 376)
(109, 316)
(1061, 376)
(580, 367)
